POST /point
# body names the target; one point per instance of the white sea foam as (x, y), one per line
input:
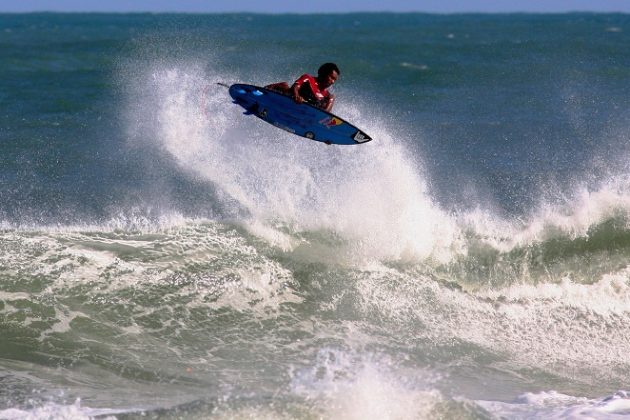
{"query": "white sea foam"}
(585, 208)
(60, 411)
(237, 275)
(610, 296)
(554, 405)
(352, 387)
(571, 330)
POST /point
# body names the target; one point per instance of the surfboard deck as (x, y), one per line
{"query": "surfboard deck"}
(302, 119)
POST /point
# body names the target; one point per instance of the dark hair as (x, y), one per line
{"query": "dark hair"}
(328, 68)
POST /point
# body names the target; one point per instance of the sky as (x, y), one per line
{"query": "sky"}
(315, 6)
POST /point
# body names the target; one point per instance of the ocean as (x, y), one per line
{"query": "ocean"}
(163, 255)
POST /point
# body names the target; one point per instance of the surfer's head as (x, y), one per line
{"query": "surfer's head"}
(327, 75)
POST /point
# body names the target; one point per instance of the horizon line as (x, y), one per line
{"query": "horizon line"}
(501, 12)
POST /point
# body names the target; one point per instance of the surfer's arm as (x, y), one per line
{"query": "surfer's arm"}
(329, 101)
(295, 93)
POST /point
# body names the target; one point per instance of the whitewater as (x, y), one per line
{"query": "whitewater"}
(164, 255)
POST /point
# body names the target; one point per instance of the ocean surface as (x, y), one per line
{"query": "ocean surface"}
(163, 255)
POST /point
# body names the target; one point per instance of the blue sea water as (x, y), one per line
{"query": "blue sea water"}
(163, 255)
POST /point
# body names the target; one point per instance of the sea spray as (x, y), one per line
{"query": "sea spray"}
(371, 196)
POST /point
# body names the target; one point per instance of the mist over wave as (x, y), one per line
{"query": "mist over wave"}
(373, 197)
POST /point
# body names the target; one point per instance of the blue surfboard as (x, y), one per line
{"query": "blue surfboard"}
(302, 119)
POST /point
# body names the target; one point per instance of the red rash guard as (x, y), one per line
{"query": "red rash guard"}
(309, 89)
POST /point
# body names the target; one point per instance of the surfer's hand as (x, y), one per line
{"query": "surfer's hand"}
(298, 99)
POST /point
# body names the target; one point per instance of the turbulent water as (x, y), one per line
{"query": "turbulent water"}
(164, 256)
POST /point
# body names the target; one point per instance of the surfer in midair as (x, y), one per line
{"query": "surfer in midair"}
(313, 90)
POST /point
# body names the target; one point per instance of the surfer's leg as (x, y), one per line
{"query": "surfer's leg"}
(281, 87)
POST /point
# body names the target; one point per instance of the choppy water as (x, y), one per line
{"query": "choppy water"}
(163, 255)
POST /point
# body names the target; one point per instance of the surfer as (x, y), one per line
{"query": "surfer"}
(313, 90)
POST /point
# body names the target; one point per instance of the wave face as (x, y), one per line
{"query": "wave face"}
(163, 254)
